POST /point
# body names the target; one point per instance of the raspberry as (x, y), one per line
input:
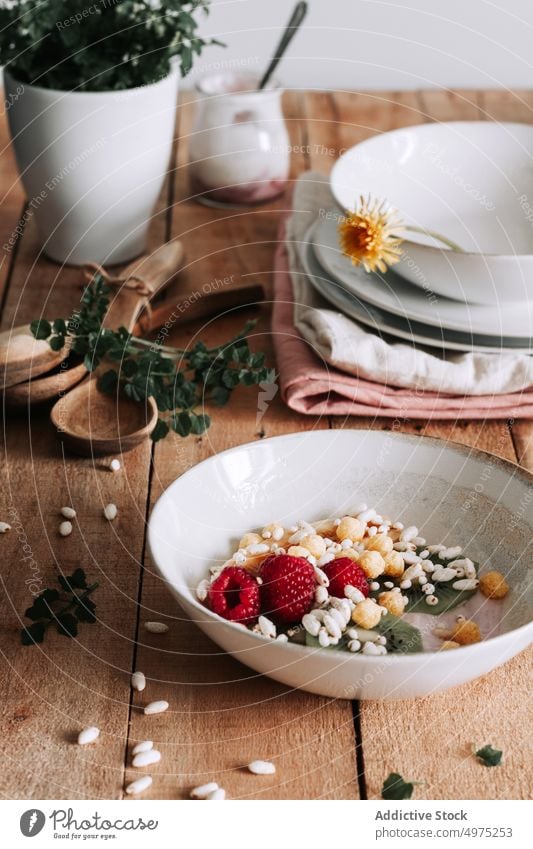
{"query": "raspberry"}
(234, 595)
(344, 572)
(288, 588)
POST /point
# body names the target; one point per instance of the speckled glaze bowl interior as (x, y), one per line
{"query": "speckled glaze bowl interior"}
(454, 494)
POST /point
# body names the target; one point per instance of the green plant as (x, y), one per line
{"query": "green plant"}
(98, 45)
(65, 608)
(180, 381)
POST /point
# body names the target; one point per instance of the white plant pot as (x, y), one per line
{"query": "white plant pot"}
(92, 164)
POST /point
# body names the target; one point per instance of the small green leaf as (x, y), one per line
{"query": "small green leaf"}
(60, 327)
(57, 342)
(67, 625)
(160, 430)
(220, 396)
(76, 581)
(91, 362)
(108, 381)
(41, 328)
(489, 756)
(33, 634)
(394, 788)
(182, 424)
(199, 423)
(84, 611)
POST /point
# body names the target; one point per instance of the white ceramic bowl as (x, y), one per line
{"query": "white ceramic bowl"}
(454, 494)
(469, 181)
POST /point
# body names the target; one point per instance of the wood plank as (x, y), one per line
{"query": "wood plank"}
(446, 105)
(223, 715)
(513, 106)
(54, 690)
(392, 740)
(12, 201)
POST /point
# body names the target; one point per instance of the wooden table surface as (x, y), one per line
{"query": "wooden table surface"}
(222, 714)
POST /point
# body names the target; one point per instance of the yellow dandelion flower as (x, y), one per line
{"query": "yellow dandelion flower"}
(368, 235)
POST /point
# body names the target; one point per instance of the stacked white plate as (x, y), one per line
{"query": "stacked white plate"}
(468, 181)
(391, 305)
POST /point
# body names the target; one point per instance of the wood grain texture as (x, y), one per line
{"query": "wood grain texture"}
(221, 713)
(227, 715)
(54, 690)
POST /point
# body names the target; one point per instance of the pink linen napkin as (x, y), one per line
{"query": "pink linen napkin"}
(309, 385)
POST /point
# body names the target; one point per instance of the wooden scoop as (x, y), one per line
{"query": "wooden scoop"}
(63, 375)
(22, 356)
(90, 422)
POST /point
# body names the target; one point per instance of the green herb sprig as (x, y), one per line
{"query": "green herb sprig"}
(64, 608)
(180, 381)
(395, 788)
(489, 756)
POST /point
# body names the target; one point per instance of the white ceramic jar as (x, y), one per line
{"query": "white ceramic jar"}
(240, 148)
(92, 164)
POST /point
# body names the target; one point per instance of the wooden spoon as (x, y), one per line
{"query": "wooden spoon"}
(91, 422)
(62, 376)
(22, 356)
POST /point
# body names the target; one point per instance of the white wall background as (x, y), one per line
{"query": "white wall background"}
(394, 44)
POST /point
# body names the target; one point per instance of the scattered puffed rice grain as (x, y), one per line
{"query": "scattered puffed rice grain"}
(138, 786)
(202, 590)
(4, 527)
(65, 529)
(156, 627)
(88, 735)
(267, 627)
(143, 746)
(115, 465)
(217, 795)
(466, 584)
(68, 512)
(110, 512)
(156, 707)
(138, 681)
(151, 756)
(408, 534)
(203, 791)
(432, 600)
(311, 624)
(321, 595)
(262, 767)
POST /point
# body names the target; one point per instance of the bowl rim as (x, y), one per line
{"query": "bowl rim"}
(214, 618)
(417, 127)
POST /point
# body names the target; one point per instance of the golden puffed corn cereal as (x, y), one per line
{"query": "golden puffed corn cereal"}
(466, 632)
(314, 544)
(394, 564)
(298, 551)
(348, 552)
(350, 528)
(493, 585)
(253, 563)
(381, 543)
(250, 539)
(325, 527)
(366, 614)
(393, 600)
(372, 564)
